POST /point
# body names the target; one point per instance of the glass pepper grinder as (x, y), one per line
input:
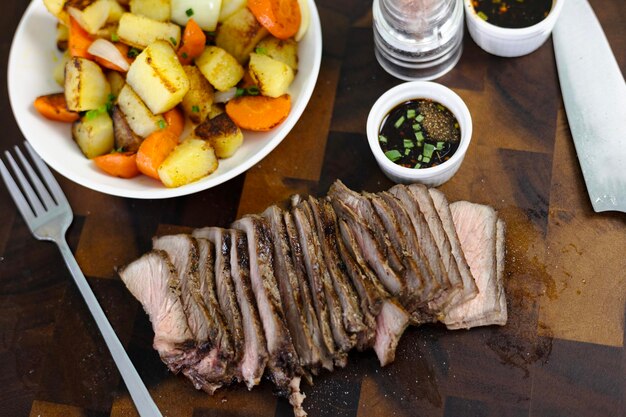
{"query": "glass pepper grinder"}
(418, 39)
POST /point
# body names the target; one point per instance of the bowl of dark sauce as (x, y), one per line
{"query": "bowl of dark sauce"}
(511, 28)
(419, 132)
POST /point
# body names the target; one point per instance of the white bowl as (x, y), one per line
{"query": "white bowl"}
(510, 42)
(30, 67)
(433, 176)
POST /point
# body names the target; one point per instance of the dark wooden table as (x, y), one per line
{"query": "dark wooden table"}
(561, 354)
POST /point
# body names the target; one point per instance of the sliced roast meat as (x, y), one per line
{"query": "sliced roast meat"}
(326, 226)
(226, 294)
(320, 280)
(469, 286)
(283, 363)
(255, 351)
(289, 288)
(153, 281)
(390, 325)
(426, 205)
(476, 226)
(362, 207)
(314, 304)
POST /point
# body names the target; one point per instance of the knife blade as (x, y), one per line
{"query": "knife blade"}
(594, 94)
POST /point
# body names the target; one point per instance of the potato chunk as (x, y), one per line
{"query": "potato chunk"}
(94, 133)
(219, 67)
(223, 134)
(283, 50)
(239, 34)
(141, 31)
(86, 86)
(191, 160)
(93, 16)
(154, 9)
(158, 78)
(271, 76)
(229, 7)
(199, 99)
(139, 117)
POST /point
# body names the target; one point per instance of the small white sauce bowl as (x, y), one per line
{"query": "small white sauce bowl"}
(402, 93)
(510, 42)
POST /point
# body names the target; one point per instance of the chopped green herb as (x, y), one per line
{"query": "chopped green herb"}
(399, 122)
(253, 90)
(417, 127)
(419, 118)
(482, 15)
(173, 41)
(133, 52)
(407, 151)
(114, 37)
(393, 155)
(419, 158)
(419, 136)
(382, 139)
(189, 12)
(260, 50)
(428, 150)
(426, 160)
(92, 114)
(162, 124)
(408, 143)
(410, 113)
(439, 146)
(440, 107)
(239, 92)
(195, 109)
(184, 55)
(417, 166)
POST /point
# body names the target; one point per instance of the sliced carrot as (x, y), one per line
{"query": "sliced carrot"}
(280, 17)
(175, 121)
(153, 151)
(54, 107)
(123, 48)
(79, 40)
(193, 43)
(118, 164)
(258, 112)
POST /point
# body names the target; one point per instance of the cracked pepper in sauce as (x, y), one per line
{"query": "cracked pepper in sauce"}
(512, 13)
(419, 133)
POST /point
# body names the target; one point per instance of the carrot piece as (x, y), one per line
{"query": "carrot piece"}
(118, 164)
(175, 121)
(78, 40)
(54, 107)
(280, 17)
(153, 151)
(258, 112)
(193, 43)
(123, 48)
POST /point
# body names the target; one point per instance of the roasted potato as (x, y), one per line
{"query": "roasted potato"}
(229, 7)
(140, 119)
(124, 136)
(191, 160)
(86, 87)
(270, 75)
(223, 134)
(141, 31)
(63, 35)
(283, 50)
(198, 100)
(154, 9)
(54, 6)
(219, 67)
(239, 34)
(116, 12)
(91, 15)
(93, 133)
(204, 12)
(158, 78)
(116, 81)
(59, 69)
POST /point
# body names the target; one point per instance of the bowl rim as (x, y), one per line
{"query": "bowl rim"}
(416, 90)
(518, 33)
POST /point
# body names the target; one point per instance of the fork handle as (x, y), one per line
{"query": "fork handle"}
(138, 391)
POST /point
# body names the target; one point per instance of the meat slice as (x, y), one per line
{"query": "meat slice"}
(362, 207)
(390, 325)
(283, 362)
(469, 290)
(226, 295)
(153, 281)
(289, 287)
(427, 206)
(476, 226)
(320, 281)
(326, 226)
(255, 350)
(321, 332)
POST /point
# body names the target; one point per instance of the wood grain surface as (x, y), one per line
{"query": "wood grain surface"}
(561, 353)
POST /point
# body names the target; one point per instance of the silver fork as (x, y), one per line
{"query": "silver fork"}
(48, 215)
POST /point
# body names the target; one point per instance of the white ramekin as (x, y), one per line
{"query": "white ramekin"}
(399, 94)
(507, 42)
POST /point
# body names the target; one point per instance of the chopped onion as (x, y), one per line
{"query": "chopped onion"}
(106, 50)
(224, 96)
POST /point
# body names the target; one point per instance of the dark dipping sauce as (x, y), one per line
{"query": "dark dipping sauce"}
(512, 14)
(419, 133)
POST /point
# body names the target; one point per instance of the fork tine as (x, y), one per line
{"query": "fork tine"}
(51, 182)
(17, 195)
(36, 181)
(34, 201)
